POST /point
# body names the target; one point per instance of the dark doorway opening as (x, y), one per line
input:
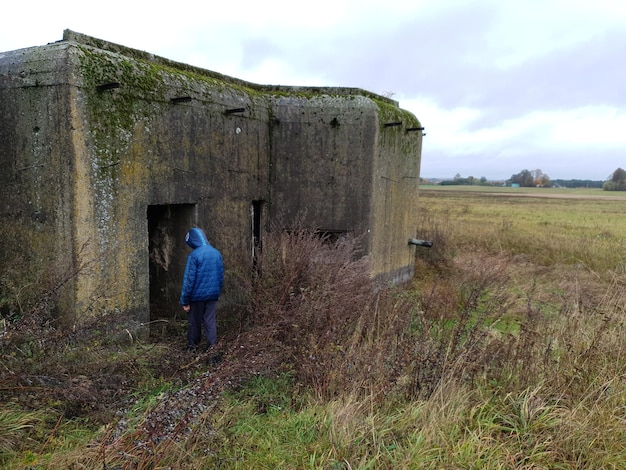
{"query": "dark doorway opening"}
(167, 225)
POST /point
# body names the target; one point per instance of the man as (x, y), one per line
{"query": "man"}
(202, 286)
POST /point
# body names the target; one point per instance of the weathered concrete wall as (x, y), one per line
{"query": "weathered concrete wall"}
(36, 156)
(322, 152)
(395, 183)
(114, 153)
(146, 149)
(350, 164)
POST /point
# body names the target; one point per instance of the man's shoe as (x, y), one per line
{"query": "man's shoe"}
(192, 348)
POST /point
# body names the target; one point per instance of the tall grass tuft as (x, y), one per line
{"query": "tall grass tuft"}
(15, 427)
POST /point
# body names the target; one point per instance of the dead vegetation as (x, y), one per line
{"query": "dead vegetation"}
(475, 321)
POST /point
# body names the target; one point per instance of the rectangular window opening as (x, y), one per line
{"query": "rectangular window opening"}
(257, 243)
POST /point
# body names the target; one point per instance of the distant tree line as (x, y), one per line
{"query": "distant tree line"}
(537, 178)
(530, 179)
(470, 180)
(577, 183)
(616, 182)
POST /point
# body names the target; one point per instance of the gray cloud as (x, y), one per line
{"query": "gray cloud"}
(491, 93)
(451, 61)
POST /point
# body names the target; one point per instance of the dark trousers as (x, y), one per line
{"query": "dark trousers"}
(202, 314)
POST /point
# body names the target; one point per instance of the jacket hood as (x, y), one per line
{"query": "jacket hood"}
(196, 237)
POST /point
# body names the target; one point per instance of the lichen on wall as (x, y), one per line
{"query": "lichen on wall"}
(35, 189)
(145, 149)
(395, 184)
(138, 131)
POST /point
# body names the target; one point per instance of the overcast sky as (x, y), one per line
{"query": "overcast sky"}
(500, 85)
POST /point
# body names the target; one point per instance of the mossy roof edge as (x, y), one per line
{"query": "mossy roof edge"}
(79, 38)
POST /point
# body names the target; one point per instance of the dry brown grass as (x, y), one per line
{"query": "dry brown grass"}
(498, 352)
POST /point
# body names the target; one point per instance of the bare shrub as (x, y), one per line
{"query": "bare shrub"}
(460, 321)
(61, 361)
(317, 300)
(377, 352)
(307, 294)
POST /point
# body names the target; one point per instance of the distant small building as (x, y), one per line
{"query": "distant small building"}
(110, 154)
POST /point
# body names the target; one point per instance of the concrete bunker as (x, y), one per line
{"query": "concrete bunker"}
(111, 154)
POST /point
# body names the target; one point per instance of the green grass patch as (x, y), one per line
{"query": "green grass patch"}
(586, 230)
(267, 426)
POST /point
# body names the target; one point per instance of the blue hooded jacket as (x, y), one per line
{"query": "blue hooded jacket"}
(204, 272)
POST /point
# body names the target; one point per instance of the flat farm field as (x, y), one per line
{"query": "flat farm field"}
(548, 226)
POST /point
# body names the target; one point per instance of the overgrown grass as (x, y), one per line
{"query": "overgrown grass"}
(584, 232)
(506, 351)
